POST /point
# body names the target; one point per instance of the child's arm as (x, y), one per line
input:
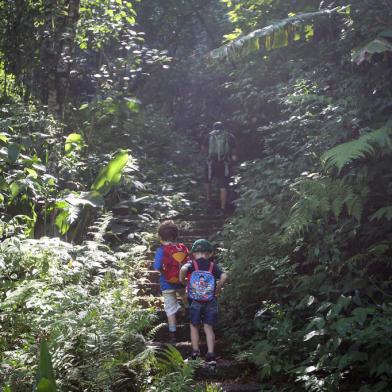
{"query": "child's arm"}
(222, 280)
(183, 272)
(158, 259)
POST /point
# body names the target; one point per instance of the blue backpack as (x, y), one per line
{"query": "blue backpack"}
(201, 284)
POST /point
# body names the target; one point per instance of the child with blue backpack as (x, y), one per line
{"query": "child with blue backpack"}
(205, 281)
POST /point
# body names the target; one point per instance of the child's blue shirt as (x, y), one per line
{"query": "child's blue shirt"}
(165, 285)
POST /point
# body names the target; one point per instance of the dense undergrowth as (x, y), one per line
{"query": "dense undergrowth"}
(101, 121)
(310, 244)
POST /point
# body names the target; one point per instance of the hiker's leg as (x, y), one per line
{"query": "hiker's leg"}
(223, 198)
(195, 320)
(210, 337)
(208, 188)
(209, 319)
(208, 176)
(172, 322)
(222, 179)
(171, 307)
(195, 337)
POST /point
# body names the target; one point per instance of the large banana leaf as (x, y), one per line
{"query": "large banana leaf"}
(276, 35)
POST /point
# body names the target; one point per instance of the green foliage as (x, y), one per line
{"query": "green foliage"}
(378, 45)
(110, 174)
(85, 299)
(363, 147)
(321, 199)
(309, 246)
(45, 376)
(74, 141)
(174, 373)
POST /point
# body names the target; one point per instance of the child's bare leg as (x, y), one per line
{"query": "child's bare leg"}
(172, 322)
(195, 337)
(210, 337)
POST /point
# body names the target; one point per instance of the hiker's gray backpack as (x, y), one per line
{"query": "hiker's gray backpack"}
(218, 144)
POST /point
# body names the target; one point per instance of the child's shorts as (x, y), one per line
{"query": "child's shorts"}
(203, 312)
(170, 302)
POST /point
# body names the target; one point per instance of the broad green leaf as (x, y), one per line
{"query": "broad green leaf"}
(111, 173)
(15, 188)
(133, 104)
(74, 141)
(312, 334)
(13, 152)
(32, 173)
(62, 222)
(378, 45)
(92, 199)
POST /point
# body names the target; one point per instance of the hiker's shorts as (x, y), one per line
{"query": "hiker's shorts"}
(203, 312)
(218, 171)
(170, 301)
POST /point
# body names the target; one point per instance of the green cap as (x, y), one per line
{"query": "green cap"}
(201, 246)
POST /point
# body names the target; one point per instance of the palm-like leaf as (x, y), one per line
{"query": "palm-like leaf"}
(276, 35)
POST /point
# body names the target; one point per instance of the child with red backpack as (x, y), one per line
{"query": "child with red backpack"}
(205, 281)
(169, 258)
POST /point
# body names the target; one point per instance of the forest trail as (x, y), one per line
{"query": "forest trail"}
(230, 374)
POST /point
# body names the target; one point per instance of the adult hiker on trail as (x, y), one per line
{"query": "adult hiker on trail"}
(221, 152)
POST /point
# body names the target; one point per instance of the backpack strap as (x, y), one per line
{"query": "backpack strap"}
(195, 265)
(211, 267)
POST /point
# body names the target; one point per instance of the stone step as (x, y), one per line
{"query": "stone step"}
(185, 347)
(148, 301)
(148, 276)
(163, 335)
(200, 232)
(225, 369)
(234, 387)
(208, 216)
(202, 223)
(149, 288)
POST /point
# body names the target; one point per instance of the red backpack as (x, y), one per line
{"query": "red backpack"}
(174, 257)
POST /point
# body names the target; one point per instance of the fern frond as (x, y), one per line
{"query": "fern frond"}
(276, 35)
(345, 153)
(99, 228)
(382, 213)
(170, 359)
(151, 334)
(319, 198)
